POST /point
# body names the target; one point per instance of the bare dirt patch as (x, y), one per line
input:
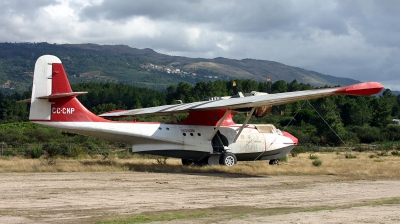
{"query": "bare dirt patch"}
(82, 197)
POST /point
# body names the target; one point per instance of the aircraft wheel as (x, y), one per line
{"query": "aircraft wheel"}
(273, 161)
(187, 162)
(227, 159)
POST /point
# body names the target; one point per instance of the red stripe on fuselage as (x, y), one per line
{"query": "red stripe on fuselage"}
(208, 118)
(70, 109)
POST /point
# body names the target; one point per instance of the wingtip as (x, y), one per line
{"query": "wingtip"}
(361, 89)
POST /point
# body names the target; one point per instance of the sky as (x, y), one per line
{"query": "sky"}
(358, 39)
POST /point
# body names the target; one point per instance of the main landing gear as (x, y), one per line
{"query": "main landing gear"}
(274, 162)
(187, 162)
(226, 158)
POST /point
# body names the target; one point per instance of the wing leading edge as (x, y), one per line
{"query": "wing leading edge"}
(360, 89)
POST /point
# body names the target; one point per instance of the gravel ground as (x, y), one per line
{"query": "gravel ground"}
(96, 196)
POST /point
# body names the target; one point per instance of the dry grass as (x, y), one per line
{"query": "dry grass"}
(362, 167)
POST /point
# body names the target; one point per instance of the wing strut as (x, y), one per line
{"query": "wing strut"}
(219, 124)
(244, 123)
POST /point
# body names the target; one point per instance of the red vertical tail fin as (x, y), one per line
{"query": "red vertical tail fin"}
(52, 96)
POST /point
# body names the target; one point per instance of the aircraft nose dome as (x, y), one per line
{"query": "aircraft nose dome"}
(294, 139)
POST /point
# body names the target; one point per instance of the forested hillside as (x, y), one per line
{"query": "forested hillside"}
(17, 63)
(354, 119)
(142, 68)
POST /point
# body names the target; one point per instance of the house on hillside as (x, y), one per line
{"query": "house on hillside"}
(396, 121)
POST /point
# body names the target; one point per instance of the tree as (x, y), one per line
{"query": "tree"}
(104, 107)
(279, 87)
(361, 113)
(183, 91)
(381, 112)
(136, 104)
(294, 86)
(330, 113)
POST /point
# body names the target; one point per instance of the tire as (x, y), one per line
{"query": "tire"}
(187, 162)
(273, 161)
(227, 159)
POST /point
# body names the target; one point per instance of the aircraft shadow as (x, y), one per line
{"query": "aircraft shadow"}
(211, 171)
(188, 170)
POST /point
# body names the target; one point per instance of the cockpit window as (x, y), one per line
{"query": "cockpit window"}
(266, 128)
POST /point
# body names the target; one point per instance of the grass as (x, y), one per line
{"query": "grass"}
(361, 167)
(227, 212)
(313, 156)
(165, 216)
(349, 156)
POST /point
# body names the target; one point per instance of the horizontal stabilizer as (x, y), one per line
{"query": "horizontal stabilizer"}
(24, 101)
(61, 95)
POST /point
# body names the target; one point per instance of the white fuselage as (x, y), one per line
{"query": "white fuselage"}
(184, 141)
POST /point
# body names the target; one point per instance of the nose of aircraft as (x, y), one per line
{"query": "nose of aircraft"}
(294, 139)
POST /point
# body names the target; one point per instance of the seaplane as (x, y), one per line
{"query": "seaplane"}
(207, 136)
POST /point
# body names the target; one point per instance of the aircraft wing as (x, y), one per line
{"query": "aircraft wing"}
(366, 88)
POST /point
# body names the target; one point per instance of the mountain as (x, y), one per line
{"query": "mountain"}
(143, 67)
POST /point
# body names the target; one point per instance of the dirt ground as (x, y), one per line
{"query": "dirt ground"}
(80, 197)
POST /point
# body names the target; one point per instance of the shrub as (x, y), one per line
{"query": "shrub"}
(305, 148)
(75, 151)
(105, 153)
(162, 160)
(299, 149)
(391, 132)
(373, 156)
(126, 154)
(350, 156)
(55, 149)
(359, 149)
(92, 148)
(316, 162)
(294, 154)
(395, 153)
(367, 134)
(36, 152)
(382, 153)
(351, 137)
(387, 146)
(313, 156)
(283, 159)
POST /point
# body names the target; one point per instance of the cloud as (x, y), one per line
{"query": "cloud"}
(25, 8)
(356, 38)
